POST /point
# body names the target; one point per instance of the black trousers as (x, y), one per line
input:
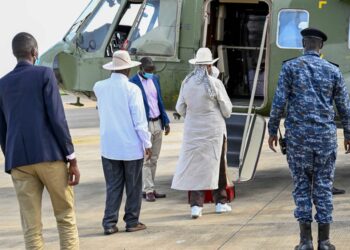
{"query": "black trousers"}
(117, 175)
(220, 194)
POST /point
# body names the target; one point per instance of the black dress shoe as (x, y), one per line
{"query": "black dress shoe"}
(158, 195)
(111, 230)
(150, 197)
(336, 191)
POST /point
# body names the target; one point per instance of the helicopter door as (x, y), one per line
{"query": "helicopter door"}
(246, 132)
(233, 31)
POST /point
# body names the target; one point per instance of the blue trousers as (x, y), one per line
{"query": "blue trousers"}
(313, 174)
(117, 175)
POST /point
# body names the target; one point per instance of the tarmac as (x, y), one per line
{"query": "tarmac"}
(262, 215)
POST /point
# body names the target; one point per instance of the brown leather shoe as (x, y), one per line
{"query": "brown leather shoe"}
(158, 195)
(138, 227)
(150, 197)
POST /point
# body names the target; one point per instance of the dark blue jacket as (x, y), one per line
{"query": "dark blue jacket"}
(163, 116)
(33, 126)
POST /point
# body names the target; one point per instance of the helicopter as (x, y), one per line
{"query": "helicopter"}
(252, 38)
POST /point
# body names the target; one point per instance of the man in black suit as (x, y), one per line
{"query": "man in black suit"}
(37, 145)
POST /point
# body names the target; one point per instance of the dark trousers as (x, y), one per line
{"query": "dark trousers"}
(117, 175)
(220, 194)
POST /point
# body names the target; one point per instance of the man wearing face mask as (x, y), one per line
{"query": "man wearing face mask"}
(37, 145)
(157, 122)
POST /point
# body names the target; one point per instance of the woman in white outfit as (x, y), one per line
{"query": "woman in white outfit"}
(204, 104)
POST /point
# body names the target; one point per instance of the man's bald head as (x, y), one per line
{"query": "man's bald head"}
(24, 46)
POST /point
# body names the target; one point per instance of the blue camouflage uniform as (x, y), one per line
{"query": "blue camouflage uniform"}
(308, 86)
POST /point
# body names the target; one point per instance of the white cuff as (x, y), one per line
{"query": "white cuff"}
(71, 156)
(148, 145)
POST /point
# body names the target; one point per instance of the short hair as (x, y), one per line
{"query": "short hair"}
(22, 45)
(147, 63)
(312, 43)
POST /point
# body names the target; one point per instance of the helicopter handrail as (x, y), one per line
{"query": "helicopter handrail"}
(248, 124)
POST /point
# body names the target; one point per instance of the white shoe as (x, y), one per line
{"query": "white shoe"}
(196, 212)
(222, 208)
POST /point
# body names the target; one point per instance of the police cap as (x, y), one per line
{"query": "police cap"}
(312, 32)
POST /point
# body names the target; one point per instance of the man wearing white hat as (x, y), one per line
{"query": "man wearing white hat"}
(124, 141)
(202, 163)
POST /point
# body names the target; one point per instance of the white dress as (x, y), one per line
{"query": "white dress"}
(204, 130)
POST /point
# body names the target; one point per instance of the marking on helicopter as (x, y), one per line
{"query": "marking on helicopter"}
(321, 3)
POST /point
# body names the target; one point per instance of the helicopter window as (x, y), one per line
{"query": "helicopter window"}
(72, 31)
(155, 33)
(290, 23)
(95, 32)
(122, 30)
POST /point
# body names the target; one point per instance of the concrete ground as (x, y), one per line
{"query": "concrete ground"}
(262, 216)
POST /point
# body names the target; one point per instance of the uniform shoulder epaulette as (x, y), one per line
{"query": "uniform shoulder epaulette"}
(288, 60)
(337, 65)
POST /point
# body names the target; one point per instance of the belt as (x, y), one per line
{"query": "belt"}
(154, 119)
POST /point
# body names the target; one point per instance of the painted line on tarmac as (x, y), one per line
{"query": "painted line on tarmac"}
(86, 140)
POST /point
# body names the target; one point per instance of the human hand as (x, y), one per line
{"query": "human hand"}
(167, 129)
(347, 146)
(73, 173)
(148, 153)
(177, 116)
(273, 142)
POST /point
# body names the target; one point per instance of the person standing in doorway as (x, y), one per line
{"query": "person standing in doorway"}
(124, 142)
(37, 145)
(158, 121)
(308, 86)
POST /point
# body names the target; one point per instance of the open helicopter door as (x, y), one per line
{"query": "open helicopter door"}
(245, 132)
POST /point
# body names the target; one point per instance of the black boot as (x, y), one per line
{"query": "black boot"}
(323, 238)
(305, 237)
(336, 191)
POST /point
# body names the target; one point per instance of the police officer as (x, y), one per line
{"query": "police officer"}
(308, 86)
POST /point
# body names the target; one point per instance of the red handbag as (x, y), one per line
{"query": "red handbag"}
(208, 195)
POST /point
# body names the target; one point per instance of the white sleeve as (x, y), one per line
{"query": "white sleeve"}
(181, 105)
(224, 101)
(138, 115)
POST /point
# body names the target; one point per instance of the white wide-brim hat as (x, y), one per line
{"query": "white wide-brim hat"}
(121, 60)
(203, 56)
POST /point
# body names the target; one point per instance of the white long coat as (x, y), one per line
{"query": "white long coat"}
(204, 129)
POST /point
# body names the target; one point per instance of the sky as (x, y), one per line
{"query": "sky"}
(47, 20)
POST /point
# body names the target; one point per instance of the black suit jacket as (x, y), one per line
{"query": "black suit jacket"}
(33, 126)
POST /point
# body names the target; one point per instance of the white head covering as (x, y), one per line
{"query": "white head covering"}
(121, 60)
(201, 76)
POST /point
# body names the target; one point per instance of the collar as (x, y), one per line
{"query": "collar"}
(119, 76)
(141, 76)
(23, 63)
(311, 53)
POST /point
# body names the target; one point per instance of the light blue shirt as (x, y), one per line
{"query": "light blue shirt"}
(123, 123)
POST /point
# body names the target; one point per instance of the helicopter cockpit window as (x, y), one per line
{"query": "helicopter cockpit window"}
(290, 23)
(122, 30)
(155, 32)
(72, 31)
(93, 35)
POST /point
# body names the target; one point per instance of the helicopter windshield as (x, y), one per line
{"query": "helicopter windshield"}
(95, 32)
(72, 31)
(155, 32)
